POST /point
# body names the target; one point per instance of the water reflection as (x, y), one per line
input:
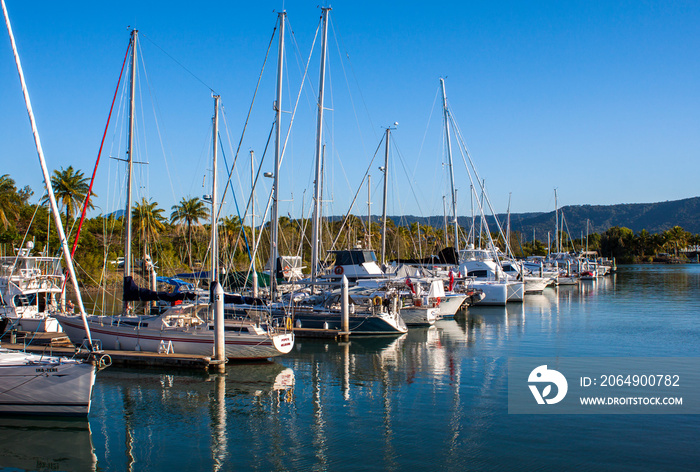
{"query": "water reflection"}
(434, 398)
(155, 417)
(39, 444)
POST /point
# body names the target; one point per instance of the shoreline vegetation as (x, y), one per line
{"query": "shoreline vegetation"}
(180, 243)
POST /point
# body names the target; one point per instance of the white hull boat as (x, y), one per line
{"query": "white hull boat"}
(179, 331)
(419, 315)
(31, 384)
(567, 280)
(29, 290)
(516, 291)
(536, 284)
(450, 304)
(495, 293)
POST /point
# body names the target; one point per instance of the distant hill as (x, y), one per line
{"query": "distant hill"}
(654, 217)
(116, 214)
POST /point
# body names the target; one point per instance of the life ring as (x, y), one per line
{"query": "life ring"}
(286, 267)
(338, 270)
(377, 300)
(288, 324)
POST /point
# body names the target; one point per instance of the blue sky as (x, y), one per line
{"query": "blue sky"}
(597, 99)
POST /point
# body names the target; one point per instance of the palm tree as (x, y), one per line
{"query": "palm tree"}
(189, 211)
(148, 221)
(70, 188)
(230, 227)
(676, 238)
(9, 200)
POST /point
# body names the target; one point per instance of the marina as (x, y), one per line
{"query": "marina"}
(256, 326)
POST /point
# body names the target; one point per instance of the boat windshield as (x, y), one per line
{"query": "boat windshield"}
(354, 257)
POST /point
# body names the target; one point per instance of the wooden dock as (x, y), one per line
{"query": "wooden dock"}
(317, 333)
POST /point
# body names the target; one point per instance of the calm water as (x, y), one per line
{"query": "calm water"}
(434, 399)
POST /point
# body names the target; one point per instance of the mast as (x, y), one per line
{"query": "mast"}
(130, 160)
(369, 212)
(252, 203)
(216, 296)
(446, 116)
(556, 223)
(47, 179)
(278, 144)
(214, 276)
(319, 157)
(471, 203)
(587, 232)
(386, 179)
(444, 218)
(508, 227)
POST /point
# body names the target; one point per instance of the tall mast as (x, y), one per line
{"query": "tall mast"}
(508, 227)
(276, 177)
(252, 203)
(471, 203)
(216, 291)
(214, 276)
(319, 157)
(130, 160)
(369, 212)
(386, 180)
(444, 218)
(47, 179)
(446, 116)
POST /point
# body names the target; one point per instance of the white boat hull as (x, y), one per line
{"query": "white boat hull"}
(495, 293)
(46, 324)
(536, 284)
(44, 385)
(194, 341)
(419, 316)
(516, 291)
(567, 281)
(450, 304)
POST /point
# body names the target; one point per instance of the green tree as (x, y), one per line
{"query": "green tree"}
(70, 187)
(618, 243)
(230, 228)
(10, 200)
(676, 238)
(148, 221)
(189, 211)
(641, 243)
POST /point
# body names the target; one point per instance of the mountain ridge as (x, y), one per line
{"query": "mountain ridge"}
(653, 217)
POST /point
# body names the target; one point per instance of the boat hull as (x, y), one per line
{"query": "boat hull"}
(536, 284)
(46, 324)
(358, 324)
(239, 345)
(495, 293)
(450, 304)
(516, 291)
(419, 316)
(44, 385)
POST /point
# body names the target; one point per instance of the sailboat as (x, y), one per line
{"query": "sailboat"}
(32, 384)
(481, 266)
(185, 327)
(30, 287)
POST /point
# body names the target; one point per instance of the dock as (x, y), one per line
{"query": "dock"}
(318, 333)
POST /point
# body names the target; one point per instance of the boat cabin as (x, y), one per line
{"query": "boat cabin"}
(354, 264)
